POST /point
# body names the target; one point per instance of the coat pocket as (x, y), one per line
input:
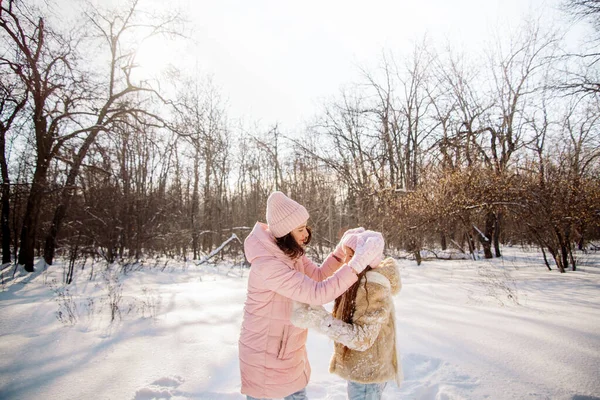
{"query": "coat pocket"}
(283, 342)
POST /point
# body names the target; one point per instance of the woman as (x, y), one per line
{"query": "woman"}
(272, 353)
(362, 326)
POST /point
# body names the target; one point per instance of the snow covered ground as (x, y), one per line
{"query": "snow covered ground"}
(501, 329)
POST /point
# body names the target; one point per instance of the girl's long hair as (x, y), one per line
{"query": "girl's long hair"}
(290, 247)
(345, 305)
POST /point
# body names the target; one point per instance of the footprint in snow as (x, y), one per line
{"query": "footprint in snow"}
(162, 388)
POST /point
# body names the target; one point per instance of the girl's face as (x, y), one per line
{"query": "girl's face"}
(300, 235)
(349, 254)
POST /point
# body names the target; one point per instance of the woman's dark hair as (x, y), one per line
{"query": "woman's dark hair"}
(345, 305)
(290, 247)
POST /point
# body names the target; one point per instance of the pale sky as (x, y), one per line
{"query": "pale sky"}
(276, 61)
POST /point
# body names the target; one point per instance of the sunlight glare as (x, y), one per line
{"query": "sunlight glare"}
(152, 58)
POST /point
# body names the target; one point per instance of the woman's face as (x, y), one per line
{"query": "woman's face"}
(300, 235)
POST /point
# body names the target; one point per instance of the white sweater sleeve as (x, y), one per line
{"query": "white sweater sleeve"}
(368, 318)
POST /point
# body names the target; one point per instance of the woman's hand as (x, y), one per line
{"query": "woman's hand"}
(339, 249)
(368, 251)
(374, 263)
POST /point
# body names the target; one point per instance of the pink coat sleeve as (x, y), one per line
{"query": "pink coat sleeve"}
(280, 278)
(316, 273)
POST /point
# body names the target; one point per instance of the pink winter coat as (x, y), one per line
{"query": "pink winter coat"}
(273, 359)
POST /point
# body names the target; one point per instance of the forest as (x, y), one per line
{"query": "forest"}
(439, 149)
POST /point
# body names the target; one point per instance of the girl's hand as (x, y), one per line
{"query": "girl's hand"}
(305, 316)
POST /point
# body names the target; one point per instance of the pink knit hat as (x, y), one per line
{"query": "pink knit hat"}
(284, 214)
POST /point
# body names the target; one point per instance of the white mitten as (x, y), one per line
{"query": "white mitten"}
(305, 316)
(379, 237)
(339, 249)
(368, 250)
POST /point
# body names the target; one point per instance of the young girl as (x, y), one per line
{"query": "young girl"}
(272, 353)
(362, 326)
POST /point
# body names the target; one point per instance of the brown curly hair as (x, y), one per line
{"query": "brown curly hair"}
(290, 247)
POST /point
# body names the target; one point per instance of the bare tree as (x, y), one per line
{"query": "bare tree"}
(391, 124)
(583, 66)
(12, 101)
(202, 125)
(117, 98)
(44, 62)
(588, 9)
(416, 107)
(271, 145)
(349, 145)
(492, 122)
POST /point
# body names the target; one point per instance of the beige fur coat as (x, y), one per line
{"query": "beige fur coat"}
(372, 356)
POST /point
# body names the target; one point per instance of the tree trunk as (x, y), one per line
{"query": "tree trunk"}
(50, 245)
(486, 241)
(414, 246)
(497, 229)
(557, 259)
(564, 253)
(195, 206)
(545, 258)
(65, 199)
(330, 222)
(581, 242)
(72, 258)
(418, 258)
(5, 219)
(32, 212)
(471, 244)
(485, 238)
(5, 222)
(207, 203)
(570, 251)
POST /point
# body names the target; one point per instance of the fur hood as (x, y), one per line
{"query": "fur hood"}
(389, 269)
(260, 243)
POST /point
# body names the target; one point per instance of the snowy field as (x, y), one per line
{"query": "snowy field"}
(501, 329)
